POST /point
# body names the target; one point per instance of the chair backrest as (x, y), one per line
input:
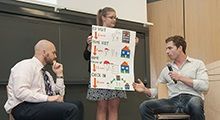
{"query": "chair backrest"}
(162, 91)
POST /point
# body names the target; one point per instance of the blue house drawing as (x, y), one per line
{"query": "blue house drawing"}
(124, 67)
(125, 52)
(127, 86)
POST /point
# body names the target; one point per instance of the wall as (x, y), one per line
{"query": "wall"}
(202, 29)
(91, 7)
(212, 101)
(167, 16)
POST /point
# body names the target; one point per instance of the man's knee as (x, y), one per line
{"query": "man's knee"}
(79, 104)
(80, 108)
(196, 106)
(72, 108)
(196, 103)
(144, 106)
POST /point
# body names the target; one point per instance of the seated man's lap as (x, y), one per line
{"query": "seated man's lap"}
(44, 110)
(182, 103)
(160, 105)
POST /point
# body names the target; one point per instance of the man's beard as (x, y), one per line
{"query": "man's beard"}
(48, 60)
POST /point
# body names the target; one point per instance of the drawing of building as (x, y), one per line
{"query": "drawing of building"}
(124, 67)
(125, 52)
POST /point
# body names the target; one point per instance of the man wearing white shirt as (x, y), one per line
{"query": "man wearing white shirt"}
(28, 96)
(186, 80)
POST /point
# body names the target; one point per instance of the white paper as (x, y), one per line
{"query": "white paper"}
(112, 58)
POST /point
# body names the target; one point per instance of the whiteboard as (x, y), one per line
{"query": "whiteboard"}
(130, 10)
(52, 3)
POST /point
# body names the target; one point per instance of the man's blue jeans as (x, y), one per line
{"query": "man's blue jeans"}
(190, 104)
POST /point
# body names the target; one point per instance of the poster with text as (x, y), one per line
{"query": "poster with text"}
(112, 58)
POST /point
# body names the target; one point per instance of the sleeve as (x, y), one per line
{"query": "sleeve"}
(57, 86)
(200, 83)
(60, 87)
(22, 83)
(153, 92)
(161, 79)
(86, 52)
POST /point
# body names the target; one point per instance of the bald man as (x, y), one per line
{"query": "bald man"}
(32, 92)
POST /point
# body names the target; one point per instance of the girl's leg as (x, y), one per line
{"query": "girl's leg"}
(101, 112)
(113, 106)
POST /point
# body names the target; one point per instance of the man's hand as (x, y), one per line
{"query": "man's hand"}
(57, 69)
(174, 75)
(139, 87)
(178, 77)
(56, 98)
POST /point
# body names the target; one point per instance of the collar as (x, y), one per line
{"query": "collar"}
(39, 65)
(188, 59)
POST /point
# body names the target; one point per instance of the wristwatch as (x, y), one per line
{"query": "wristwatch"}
(60, 77)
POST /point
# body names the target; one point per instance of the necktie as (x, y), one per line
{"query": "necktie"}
(48, 87)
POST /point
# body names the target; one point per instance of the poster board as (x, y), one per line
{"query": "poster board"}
(112, 58)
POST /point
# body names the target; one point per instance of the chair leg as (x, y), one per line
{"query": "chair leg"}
(11, 117)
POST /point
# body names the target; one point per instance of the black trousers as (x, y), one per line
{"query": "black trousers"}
(48, 111)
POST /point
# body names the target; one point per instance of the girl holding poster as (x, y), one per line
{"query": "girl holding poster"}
(107, 100)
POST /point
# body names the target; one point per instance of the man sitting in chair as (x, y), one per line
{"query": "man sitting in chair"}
(32, 92)
(186, 79)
